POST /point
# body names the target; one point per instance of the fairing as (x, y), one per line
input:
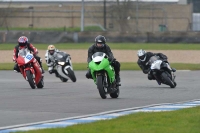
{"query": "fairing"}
(100, 65)
(26, 61)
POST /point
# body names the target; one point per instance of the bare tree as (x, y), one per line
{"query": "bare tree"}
(121, 11)
(4, 13)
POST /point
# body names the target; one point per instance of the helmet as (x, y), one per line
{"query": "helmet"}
(100, 41)
(22, 41)
(51, 49)
(141, 54)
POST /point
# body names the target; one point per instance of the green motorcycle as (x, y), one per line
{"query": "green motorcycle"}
(103, 75)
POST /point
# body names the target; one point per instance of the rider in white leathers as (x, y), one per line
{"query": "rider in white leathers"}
(50, 59)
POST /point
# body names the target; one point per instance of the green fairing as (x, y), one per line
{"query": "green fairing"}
(104, 65)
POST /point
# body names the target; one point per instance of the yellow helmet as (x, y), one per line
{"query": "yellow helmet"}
(51, 49)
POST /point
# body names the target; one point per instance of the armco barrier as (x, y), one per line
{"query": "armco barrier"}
(79, 37)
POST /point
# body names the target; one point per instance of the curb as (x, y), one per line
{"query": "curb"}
(100, 116)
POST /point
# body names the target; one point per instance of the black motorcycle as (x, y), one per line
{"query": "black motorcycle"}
(161, 72)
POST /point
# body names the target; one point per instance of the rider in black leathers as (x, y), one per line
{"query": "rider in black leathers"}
(143, 58)
(101, 46)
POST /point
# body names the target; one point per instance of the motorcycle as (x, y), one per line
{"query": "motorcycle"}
(64, 67)
(103, 75)
(30, 68)
(161, 71)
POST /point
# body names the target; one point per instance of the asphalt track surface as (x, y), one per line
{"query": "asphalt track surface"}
(19, 104)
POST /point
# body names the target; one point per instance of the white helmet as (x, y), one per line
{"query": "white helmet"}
(141, 54)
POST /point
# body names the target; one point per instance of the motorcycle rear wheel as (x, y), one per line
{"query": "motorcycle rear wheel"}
(100, 87)
(29, 76)
(41, 83)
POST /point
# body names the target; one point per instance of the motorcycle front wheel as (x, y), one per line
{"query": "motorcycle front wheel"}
(29, 76)
(71, 74)
(168, 80)
(100, 87)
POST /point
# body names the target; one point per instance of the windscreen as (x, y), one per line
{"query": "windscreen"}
(97, 54)
(61, 56)
(152, 59)
(22, 52)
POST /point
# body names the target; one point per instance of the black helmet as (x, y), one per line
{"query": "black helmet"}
(100, 41)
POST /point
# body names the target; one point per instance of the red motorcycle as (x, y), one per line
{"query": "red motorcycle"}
(30, 68)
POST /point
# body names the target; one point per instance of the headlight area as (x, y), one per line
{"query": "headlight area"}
(61, 63)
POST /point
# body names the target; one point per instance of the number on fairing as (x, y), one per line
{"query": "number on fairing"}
(29, 57)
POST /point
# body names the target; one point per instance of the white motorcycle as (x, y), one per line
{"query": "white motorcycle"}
(161, 71)
(64, 67)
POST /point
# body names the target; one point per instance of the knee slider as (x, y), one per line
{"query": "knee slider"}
(150, 77)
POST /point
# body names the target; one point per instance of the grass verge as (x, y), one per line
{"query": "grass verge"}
(179, 121)
(60, 29)
(124, 66)
(120, 46)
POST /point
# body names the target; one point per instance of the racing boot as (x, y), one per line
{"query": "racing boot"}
(118, 80)
(56, 73)
(16, 68)
(42, 70)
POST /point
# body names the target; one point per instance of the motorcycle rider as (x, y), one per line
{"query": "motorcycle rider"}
(143, 58)
(23, 43)
(50, 55)
(101, 46)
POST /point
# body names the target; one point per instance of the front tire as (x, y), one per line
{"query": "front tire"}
(29, 76)
(167, 80)
(71, 74)
(100, 87)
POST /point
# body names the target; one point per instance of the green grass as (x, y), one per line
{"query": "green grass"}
(179, 121)
(124, 66)
(69, 29)
(120, 46)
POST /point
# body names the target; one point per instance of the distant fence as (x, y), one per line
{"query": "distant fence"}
(79, 37)
(126, 16)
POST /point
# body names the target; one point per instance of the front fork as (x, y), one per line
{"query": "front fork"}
(106, 83)
(30, 69)
(171, 72)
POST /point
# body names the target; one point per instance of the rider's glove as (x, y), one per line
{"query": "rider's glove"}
(15, 61)
(50, 71)
(110, 59)
(50, 64)
(56, 62)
